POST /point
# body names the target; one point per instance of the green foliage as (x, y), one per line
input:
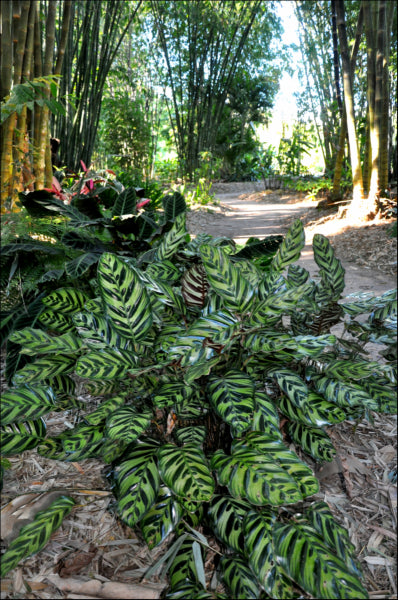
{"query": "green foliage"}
(33, 92)
(195, 353)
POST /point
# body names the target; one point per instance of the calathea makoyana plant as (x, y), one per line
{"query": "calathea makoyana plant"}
(197, 354)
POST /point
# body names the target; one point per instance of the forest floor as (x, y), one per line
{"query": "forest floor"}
(93, 555)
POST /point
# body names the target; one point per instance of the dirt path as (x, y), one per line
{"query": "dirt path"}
(245, 211)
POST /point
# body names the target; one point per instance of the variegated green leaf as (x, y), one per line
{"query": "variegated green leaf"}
(191, 435)
(100, 387)
(383, 393)
(26, 402)
(332, 271)
(78, 266)
(296, 276)
(333, 534)
(137, 484)
(162, 518)
(252, 476)
(126, 298)
(190, 590)
(164, 271)
(94, 306)
(290, 249)
(199, 369)
(183, 567)
(217, 327)
(172, 239)
(248, 271)
(265, 416)
(172, 393)
(292, 384)
(314, 441)
(317, 411)
(18, 437)
(66, 300)
(127, 423)
(232, 397)
(344, 394)
(82, 441)
(238, 577)
(35, 535)
(125, 203)
(37, 341)
(44, 368)
(348, 370)
(189, 349)
(257, 529)
(105, 364)
(288, 300)
(227, 515)
(225, 279)
(105, 409)
(186, 472)
(325, 575)
(56, 321)
(97, 331)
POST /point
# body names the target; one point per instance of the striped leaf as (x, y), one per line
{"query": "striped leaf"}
(127, 423)
(318, 412)
(137, 484)
(383, 393)
(225, 279)
(162, 518)
(94, 306)
(257, 529)
(232, 397)
(190, 590)
(199, 369)
(250, 475)
(287, 301)
(296, 276)
(333, 534)
(35, 535)
(274, 450)
(78, 266)
(188, 350)
(104, 410)
(348, 370)
(125, 203)
(191, 435)
(161, 292)
(265, 416)
(172, 239)
(248, 271)
(173, 205)
(325, 575)
(292, 384)
(290, 249)
(314, 441)
(97, 331)
(82, 441)
(332, 270)
(164, 271)
(218, 326)
(126, 299)
(226, 517)
(194, 286)
(56, 321)
(173, 393)
(66, 300)
(37, 341)
(26, 402)
(185, 471)
(344, 394)
(112, 450)
(18, 437)
(182, 568)
(238, 577)
(44, 368)
(100, 387)
(105, 364)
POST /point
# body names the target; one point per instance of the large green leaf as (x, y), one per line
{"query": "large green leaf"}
(137, 483)
(189, 349)
(26, 402)
(37, 341)
(304, 556)
(290, 249)
(18, 437)
(265, 416)
(105, 364)
(225, 279)
(331, 271)
(257, 529)
(126, 299)
(66, 300)
(105, 409)
(314, 441)
(56, 321)
(232, 397)
(44, 368)
(35, 535)
(195, 435)
(173, 205)
(351, 369)
(162, 518)
(194, 286)
(97, 331)
(344, 394)
(172, 239)
(173, 393)
(250, 475)
(238, 577)
(125, 203)
(182, 568)
(186, 472)
(226, 515)
(127, 423)
(78, 266)
(292, 384)
(163, 271)
(316, 412)
(200, 368)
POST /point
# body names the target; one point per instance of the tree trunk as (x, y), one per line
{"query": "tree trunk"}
(385, 121)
